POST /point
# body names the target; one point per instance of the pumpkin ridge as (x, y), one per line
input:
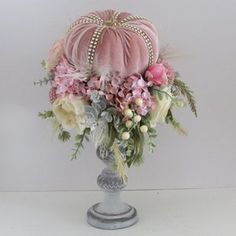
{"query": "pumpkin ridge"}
(125, 43)
(127, 47)
(132, 47)
(145, 37)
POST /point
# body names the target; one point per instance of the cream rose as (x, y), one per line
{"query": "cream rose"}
(161, 107)
(70, 113)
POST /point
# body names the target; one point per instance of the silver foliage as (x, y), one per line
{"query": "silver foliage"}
(98, 115)
(99, 134)
(107, 116)
(91, 117)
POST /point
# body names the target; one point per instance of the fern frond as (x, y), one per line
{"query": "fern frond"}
(64, 136)
(46, 114)
(171, 120)
(186, 92)
(45, 81)
(79, 139)
(152, 134)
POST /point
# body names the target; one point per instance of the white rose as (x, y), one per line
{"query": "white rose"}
(159, 112)
(70, 113)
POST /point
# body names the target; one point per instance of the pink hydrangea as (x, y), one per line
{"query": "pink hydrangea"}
(63, 77)
(122, 93)
(93, 84)
(52, 95)
(66, 82)
(119, 92)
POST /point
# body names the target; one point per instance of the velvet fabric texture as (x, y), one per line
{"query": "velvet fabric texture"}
(118, 48)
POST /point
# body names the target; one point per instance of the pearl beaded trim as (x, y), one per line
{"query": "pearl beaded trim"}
(132, 18)
(85, 20)
(96, 18)
(93, 43)
(113, 22)
(116, 14)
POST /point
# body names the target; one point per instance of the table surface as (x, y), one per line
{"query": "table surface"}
(200, 212)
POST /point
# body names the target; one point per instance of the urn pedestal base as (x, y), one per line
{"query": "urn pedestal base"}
(112, 213)
(102, 220)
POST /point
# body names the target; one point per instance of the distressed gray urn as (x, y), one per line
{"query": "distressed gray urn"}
(112, 213)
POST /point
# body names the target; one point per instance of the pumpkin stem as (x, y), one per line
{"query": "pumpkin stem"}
(112, 21)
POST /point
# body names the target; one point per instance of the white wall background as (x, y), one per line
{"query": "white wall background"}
(203, 34)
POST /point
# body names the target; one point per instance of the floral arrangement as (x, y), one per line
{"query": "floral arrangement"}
(116, 112)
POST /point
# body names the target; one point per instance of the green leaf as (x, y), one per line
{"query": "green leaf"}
(160, 95)
(45, 80)
(171, 120)
(152, 134)
(111, 135)
(79, 139)
(43, 64)
(64, 135)
(183, 89)
(138, 138)
(46, 114)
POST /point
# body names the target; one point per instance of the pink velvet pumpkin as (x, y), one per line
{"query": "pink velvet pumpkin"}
(112, 41)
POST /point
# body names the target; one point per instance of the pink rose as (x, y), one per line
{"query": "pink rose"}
(170, 72)
(157, 74)
(54, 55)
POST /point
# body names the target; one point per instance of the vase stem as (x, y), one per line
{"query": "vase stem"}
(112, 213)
